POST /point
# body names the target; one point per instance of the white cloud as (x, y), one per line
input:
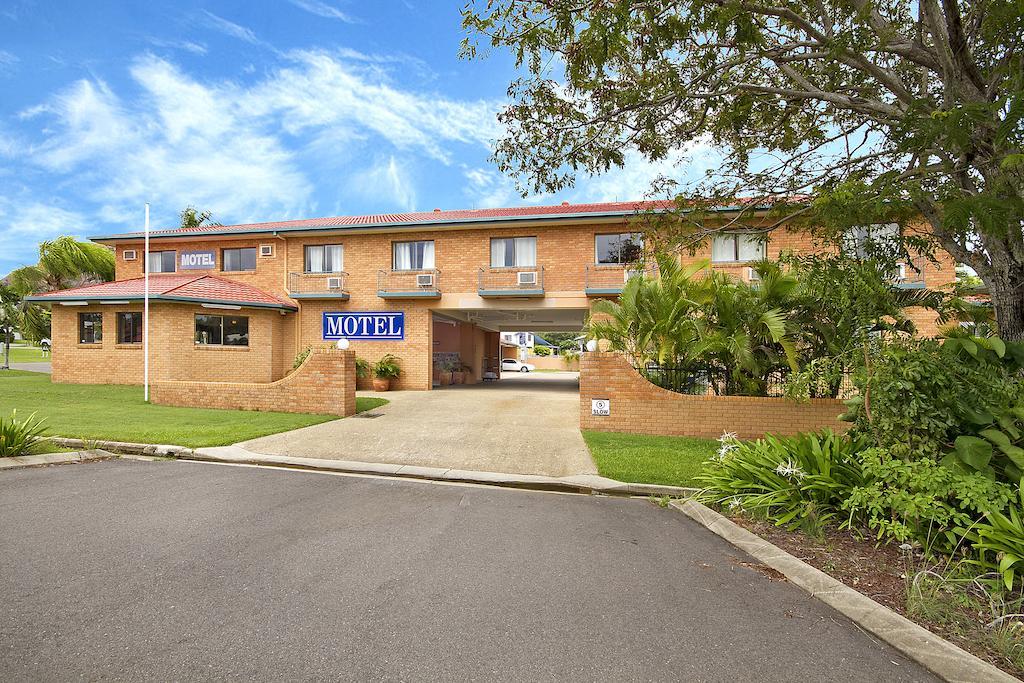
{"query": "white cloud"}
(7, 61)
(231, 28)
(244, 151)
(322, 9)
(187, 45)
(635, 178)
(25, 221)
(388, 180)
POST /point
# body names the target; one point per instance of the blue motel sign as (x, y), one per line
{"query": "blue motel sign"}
(367, 325)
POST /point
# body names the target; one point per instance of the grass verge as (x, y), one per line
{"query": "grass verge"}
(24, 354)
(638, 458)
(118, 413)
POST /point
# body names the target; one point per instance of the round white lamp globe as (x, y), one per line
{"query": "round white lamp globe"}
(592, 345)
(343, 344)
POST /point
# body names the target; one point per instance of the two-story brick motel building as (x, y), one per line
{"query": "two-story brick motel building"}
(237, 303)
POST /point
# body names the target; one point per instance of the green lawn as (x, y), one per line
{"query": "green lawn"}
(118, 413)
(24, 354)
(670, 460)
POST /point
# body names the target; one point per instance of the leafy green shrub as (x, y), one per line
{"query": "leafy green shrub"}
(921, 500)
(362, 368)
(998, 540)
(916, 397)
(387, 367)
(541, 351)
(798, 481)
(18, 436)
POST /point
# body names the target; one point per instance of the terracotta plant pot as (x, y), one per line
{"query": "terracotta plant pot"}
(381, 384)
(458, 377)
(444, 379)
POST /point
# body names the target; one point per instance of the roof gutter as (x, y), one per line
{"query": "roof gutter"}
(159, 297)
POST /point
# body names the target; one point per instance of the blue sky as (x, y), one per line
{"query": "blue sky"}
(253, 110)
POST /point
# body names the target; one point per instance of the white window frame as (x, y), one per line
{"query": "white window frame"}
(854, 239)
(735, 238)
(620, 235)
(429, 255)
(525, 247)
(323, 249)
(174, 261)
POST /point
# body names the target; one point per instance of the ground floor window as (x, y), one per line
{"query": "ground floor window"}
(129, 328)
(222, 330)
(90, 328)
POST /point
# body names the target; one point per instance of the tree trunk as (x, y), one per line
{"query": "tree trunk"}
(1008, 303)
(7, 350)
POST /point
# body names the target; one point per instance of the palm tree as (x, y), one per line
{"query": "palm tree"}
(63, 263)
(656, 320)
(9, 316)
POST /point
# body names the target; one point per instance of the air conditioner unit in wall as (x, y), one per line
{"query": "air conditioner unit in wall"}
(130, 255)
(334, 283)
(425, 280)
(527, 278)
(752, 275)
(630, 273)
(266, 250)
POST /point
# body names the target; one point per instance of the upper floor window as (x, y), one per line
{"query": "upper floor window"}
(624, 247)
(324, 258)
(413, 255)
(161, 261)
(129, 328)
(239, 259)
(513, 252)
(872, 240)
(222, 330)
(737, 247)
(90, 328)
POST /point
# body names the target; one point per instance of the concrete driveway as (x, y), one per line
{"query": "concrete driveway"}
(522, 424)
(170, 571)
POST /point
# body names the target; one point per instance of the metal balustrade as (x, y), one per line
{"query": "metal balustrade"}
(409, 284)
(318, 285)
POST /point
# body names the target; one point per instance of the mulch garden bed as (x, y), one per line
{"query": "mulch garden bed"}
(882, 573)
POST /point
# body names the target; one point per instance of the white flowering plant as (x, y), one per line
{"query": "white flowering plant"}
(797, 481)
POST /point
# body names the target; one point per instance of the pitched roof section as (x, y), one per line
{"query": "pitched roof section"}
(397, 220)
(185, 288)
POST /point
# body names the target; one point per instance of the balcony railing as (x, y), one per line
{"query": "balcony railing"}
(608, 279)
(409, 284)
(317, 285)
(515, 282)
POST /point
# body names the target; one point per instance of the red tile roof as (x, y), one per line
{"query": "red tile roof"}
(176, 287)
(564, 210)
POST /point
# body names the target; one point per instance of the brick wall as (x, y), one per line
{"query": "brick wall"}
(639, 407)
(173, 353)
(324, 383)
(553, 363)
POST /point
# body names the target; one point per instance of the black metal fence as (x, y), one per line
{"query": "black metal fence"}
(710, 380)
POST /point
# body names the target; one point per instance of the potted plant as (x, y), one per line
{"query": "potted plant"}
(444, 377)
(458, 373)
(385, 370)
(362, 371)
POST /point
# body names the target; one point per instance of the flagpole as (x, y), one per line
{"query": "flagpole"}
(145, 315)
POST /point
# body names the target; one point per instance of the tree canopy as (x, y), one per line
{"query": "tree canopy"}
(878, 110)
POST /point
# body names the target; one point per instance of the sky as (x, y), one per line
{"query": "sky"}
(256, 111)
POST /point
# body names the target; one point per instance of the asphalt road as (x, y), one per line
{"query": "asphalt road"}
(172, 570)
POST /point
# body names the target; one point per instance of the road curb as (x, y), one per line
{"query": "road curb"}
(939, 656)
(163, 450)
(579, 483)
(20, 461)
(583, 483)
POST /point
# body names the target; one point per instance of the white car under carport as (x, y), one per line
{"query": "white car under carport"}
(513, 365)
